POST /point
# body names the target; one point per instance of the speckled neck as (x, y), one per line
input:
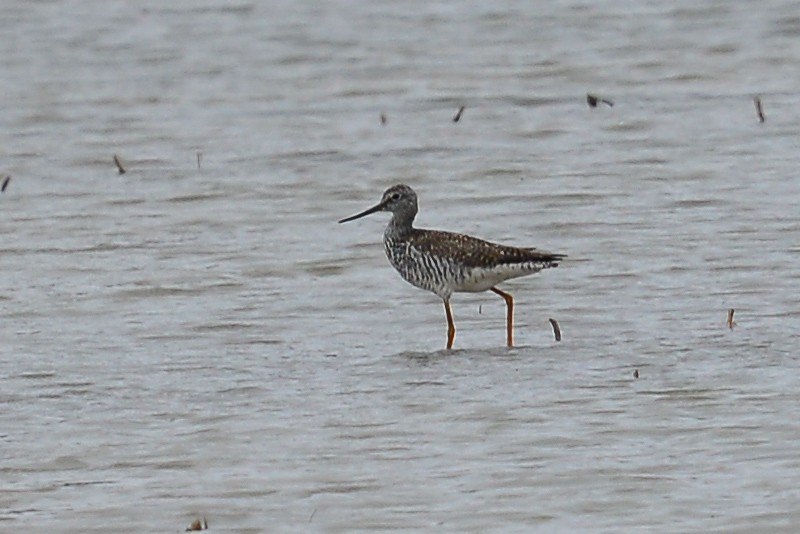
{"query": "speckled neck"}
(402, 222)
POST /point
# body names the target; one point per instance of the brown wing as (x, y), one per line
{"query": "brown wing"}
(473, 252)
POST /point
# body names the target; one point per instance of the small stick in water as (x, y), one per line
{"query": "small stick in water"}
(120, 168)
(199, 156)
(556, 329)
(730, 322)
(593, 100)
(383, 119)
(460, 112)
(5, 184)
(197, 524)
(759, 109)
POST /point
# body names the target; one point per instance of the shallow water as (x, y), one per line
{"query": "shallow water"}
(198, 337)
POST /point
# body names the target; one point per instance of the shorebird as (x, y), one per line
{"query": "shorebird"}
(446, 262)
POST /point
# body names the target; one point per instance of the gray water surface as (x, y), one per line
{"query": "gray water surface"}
(180, 342)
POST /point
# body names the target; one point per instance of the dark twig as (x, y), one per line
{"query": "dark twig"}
(199, 157)
(5, 184)
(120, 168)
(730, 322)
(556, 329)
(759, 109)
(593, 100)
(460, 112)
(384, 120)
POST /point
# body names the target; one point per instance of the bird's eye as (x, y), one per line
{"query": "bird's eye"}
(395, 196)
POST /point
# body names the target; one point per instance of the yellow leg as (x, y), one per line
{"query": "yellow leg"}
(451, 326)
(510, 317)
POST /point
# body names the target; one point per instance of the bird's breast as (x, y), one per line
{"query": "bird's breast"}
(422, 269)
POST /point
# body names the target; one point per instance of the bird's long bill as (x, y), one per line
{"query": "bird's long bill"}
(373, 209)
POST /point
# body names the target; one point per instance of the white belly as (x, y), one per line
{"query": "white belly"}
(481, 279)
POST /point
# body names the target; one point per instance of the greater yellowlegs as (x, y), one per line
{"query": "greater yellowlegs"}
(445, 262)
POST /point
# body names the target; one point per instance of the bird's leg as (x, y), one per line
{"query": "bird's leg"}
(451, 326)
(510, 317)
